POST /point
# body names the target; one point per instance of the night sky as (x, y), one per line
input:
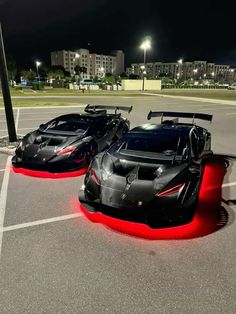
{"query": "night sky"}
(193, 30)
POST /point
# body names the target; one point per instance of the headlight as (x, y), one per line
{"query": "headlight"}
(67, 150)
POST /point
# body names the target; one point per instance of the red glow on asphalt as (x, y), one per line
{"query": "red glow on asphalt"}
(209, 216)
(49, 175)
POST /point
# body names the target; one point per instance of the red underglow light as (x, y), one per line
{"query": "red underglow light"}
(49, 175)
(209, 216)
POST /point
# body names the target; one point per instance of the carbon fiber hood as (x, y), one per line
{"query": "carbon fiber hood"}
(129, 181)
(42, 147)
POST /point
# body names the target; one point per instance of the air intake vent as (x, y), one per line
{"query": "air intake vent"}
(146, 174)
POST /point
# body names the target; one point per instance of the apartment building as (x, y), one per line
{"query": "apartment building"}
(195, 70)
(95, 64)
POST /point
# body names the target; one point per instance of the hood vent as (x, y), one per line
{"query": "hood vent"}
(147, 174)
(143, 173)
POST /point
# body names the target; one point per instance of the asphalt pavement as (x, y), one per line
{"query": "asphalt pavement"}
(54, 260)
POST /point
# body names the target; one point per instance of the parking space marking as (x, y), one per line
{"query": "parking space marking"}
(3, 198)
(41, 222)
(17, 119)
(230, 113)
(228, 184)
(35, 119)
(3, 130)
(59, 218)
(51, 107)
(2, 169)
(44, 112)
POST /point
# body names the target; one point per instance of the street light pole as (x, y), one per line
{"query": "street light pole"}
(6, 92)
(145, 45)
(144, 64)
(37, 68)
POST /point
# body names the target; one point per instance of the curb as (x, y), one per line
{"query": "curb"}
(7, 151)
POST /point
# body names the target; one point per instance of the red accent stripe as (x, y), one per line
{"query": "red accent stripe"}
(170, 191)
(66, 150)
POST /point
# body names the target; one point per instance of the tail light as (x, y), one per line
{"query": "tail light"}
(171, 191)
(67, 150)
(94, 177)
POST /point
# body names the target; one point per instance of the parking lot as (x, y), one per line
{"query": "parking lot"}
(54, 260)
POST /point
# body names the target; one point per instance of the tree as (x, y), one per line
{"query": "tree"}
(109, 79)
(28, 75)
(96, 79)
(123, 75)
(133, 76)
(55, 74)
(78, 70)
(166, 80)
(12, 69)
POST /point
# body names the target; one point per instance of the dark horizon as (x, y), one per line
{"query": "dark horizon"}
(203, 32)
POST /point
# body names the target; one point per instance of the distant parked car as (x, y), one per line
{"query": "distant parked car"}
(232, 87)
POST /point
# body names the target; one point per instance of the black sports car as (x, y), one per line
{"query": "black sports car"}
(153, 172)
(68, 142)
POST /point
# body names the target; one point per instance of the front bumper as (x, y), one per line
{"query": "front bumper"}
(155, 213)
(57, 165)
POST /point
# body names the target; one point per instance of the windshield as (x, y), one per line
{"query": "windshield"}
(158, 144)
(65, 126)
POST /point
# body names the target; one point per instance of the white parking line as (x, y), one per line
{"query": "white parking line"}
(35, 119)
(43, 113)
(41, 222)
(17, 119)
(230, 113)
(228, 184)
(47, 107)
(3, 130)
(3, 198)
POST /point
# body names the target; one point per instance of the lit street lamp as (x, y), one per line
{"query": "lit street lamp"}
(195, 72)
(38, 63)
(213, 76)
(102, 72)
(180, 63)
(146, 44)
(75, 63)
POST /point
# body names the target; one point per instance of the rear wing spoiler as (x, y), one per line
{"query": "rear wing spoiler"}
(98, 108)
(191, 115)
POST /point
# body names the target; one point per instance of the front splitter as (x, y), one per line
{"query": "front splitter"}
(49, 175)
